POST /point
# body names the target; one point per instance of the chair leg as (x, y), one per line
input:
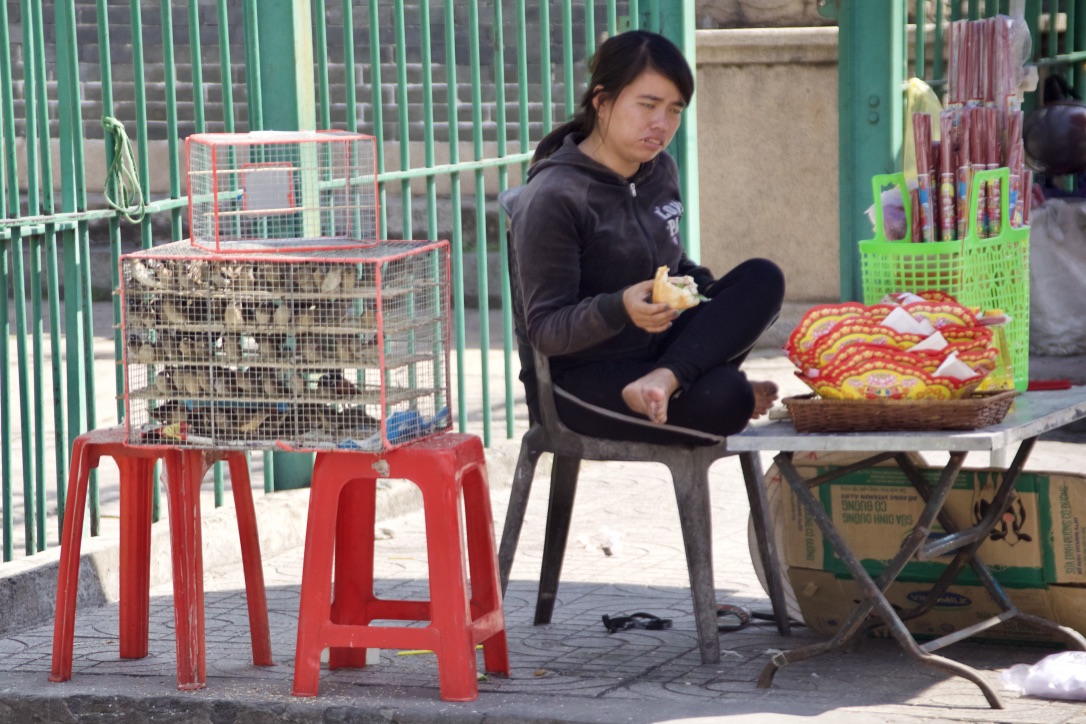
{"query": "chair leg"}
(518, 505)
(185, 470)
(353, 567)
(763, 531)
(316, 594)
(564, 473)
(136, 481)
(68, 576)
(486, 594)
(690, 474)
(255, 595)
(449, 606)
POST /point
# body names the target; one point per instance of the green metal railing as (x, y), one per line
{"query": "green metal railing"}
(876, 58)
(305, 64)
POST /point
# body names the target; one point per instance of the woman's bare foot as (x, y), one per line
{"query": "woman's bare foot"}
(765, 394)
(648, 395)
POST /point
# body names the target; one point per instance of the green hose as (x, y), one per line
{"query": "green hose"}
(122, 175)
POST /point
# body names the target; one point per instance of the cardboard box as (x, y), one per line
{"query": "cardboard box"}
(825, 602)
(1037, 552)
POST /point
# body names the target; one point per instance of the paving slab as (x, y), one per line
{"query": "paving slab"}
(625, 555)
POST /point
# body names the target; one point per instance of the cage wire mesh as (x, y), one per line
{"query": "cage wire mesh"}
(336, 348)
(315, 187)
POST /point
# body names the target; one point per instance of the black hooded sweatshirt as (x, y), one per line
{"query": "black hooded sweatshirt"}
(582, 234)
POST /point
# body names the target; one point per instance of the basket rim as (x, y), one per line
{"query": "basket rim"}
(983, 398)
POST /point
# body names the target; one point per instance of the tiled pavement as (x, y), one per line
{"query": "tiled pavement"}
(569, 671)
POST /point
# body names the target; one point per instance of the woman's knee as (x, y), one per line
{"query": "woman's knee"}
(770, 276)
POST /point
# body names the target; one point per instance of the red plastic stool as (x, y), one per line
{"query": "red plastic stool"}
(185, 470)
(342, 518)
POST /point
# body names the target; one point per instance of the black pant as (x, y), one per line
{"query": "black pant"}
(704, 347)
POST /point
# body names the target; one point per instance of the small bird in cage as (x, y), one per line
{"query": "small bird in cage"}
(269, 384)
(282, 315)
(166, 345)
(304, 280)
(334, 384)
(313, 417)
(141, 315)
(220, 277)
(163, 384)
(296, 383)
(268, 277)
(244, 382)
(174, 313)
(229, 348)
(193, 274)
(330, 279)
(222, 383)
(187, 381)
(251, 420)
(170, 412)
(349, 280)
(307, 349)
(262, 313)
(222, 422)
(140, 351)
(350, 349)
(148, 274)
(354, 418)
(259, 347)
(194, 347)
(368, 319)
(233, 316)
(305, 317)
(245, 277)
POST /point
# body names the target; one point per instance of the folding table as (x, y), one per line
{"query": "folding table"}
(1033, 414)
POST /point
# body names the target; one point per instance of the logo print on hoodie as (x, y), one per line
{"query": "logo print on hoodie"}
(671, 212)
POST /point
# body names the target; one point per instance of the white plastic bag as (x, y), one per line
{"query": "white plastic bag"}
(1057, 287)
(1059, 676)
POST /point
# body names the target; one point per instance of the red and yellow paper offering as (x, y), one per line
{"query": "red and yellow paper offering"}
(925, 346)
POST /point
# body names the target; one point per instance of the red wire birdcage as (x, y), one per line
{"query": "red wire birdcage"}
(342, 347)
(317, 188)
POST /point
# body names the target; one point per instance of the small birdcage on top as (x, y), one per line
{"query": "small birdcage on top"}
(315, 188)
(263, 347)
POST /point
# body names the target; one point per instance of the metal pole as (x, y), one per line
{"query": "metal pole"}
(871, 71)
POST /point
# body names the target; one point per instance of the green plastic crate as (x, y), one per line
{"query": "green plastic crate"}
(989, 273)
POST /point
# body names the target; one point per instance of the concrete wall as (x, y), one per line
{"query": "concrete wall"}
(767, 140)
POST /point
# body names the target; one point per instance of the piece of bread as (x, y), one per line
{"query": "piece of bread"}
(676, 292)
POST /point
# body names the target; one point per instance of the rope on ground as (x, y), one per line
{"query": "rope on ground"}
(122, 175)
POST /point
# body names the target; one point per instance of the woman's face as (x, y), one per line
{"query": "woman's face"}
(637, 125)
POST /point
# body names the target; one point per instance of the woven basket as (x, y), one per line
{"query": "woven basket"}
(814, 414)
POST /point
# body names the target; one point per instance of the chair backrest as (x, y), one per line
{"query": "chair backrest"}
(539, 388)
(535, 371)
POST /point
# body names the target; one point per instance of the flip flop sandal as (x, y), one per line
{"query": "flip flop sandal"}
(636, 620)
(731, 618)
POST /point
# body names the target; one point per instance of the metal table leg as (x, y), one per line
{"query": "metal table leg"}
(874, 599)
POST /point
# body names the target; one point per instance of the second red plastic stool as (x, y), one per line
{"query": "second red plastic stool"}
(341, 520)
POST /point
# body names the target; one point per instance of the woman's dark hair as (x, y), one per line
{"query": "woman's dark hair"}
(616, 64)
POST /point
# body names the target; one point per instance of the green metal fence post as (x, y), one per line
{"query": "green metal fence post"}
(288, 91)
(288, 95)
(677, 24)
(80, 383)
(9, 204)
(871, 71)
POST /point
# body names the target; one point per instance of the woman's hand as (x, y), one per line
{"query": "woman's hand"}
(643, 313)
